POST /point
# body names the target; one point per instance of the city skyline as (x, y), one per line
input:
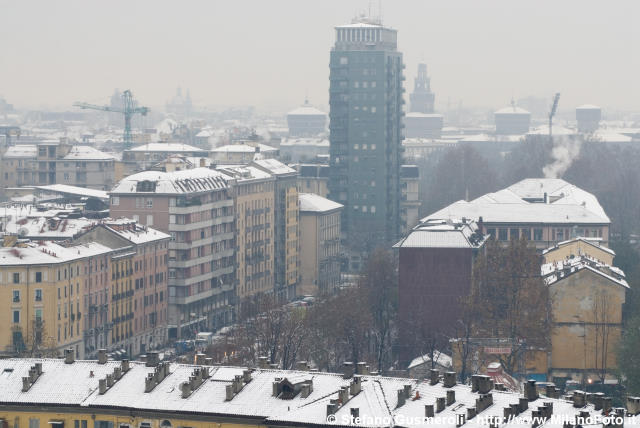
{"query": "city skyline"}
(481, 54)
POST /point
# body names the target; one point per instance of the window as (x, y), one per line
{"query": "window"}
(38, 294)
(149, 203)
(502, 234)
(136, 218)
(149, 220)
(16, 317)
(16, 296)
(526, 233)
(514, 234)
(115, 201)
(373, 109)
(373, 84)
(16, 278)
(537, 234)
(103, 424)
(38, 276)
(34, 423)
(491, 232)
(344, 60)
(373, 209)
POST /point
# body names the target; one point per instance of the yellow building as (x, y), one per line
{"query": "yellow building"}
(578, 247)
(319, 254)
(255, 199)
(587, 298)
(43, 287)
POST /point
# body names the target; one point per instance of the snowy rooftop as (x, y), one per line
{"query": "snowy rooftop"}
(21, 151)
(166, 147)
(186, 181)
(133, 231)
(446, 233)
(46, 252)
(244, 172)
(316, 203)
(274, 166)
(512, 109)
(523, 202)
(378, 402)
(87, 153)
(439, 357)
(305, 110)
(555, 271)
(243, 148)
(418, 114)
(316, 142)
(595, 242)
(74, 190)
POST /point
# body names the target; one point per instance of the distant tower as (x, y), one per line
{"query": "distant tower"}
(365, 121)
(422, 98)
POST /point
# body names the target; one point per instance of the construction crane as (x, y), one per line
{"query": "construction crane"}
(128, 109)
(554, 108)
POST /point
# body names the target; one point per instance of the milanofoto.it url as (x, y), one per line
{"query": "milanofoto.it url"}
(488, 420)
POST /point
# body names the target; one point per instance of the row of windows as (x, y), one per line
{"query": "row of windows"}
(37, 295)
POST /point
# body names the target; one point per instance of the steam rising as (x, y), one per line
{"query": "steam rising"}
(565, 150)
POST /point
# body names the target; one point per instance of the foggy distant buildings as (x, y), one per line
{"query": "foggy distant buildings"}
(366, 98)
(422, 99)
(512, 120)
(306, 121)
(588, 118)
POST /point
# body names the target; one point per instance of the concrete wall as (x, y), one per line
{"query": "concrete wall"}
(576, 248)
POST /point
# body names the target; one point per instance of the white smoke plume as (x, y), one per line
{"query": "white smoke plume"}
(565, 150)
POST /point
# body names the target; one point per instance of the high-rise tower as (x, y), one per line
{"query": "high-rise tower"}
(422, 98)
(365, 122)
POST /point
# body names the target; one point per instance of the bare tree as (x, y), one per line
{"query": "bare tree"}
(602, 328)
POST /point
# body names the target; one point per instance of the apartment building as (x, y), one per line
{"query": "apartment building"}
(255, 227)
(19, 166)
(287, 227)
(140, 275)
(544, 210)
(42, 289)
(320, 254)
(196, 208)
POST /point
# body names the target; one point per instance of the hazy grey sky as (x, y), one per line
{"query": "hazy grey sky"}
(269, 53)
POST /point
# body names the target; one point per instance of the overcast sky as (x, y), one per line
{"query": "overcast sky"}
(269, 53)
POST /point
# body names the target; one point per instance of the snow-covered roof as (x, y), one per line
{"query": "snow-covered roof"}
(74, 190)
(316, 203)
(523, 202)
(46, 252)
(555, 271)
(186, 181)
(588, 107)
(133, 231)
(87, 153)
(441, 359)
(378, 401)
(316, 142)
(446, 233)
(274, 166)
(243, 148)
(38, 225)
(244, 172)
(418, 114)
(306, 110)
(595, 242)
(166, 147)
(512, 110)
(21, 151)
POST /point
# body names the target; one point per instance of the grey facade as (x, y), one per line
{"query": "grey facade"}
(366, 98)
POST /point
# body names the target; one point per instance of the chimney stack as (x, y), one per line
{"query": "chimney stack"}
(449, 380)
(69, 356)
(530, 390)
(26, 384)
(263, 362)
(102, 356)
(102, 386)
(434, 375)
(356, 385)
(633, 405)
(401, 398)
(185, 389)
(153, 358)
(302, 365)
(347, 369)
(125, 365)
(440, 404)
(200, 359)
(579, 399)
(451, 397)
(428, 411)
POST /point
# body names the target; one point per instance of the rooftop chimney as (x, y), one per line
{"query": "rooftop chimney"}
(69, 356)
(347, 369)
(530, 390)
(449, 379)
(401, 398)
(451, 397)
(440, 404)
(102, 356)
(185, 389)
(434, 376)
